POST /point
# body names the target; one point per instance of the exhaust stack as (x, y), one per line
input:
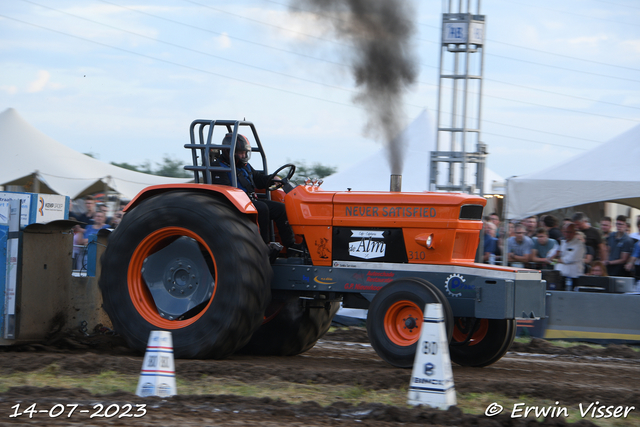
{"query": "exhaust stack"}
(396, 183)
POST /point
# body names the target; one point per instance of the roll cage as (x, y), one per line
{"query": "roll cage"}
(203, 167)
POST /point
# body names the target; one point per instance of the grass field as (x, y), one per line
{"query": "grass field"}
(109, 382)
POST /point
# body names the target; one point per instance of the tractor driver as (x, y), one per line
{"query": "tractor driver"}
(248, 180)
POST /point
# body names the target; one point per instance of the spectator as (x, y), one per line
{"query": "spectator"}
(98, 224)
(551, 224)
(87, 216)
(588, 255)
(543, 249)
(605, 228)
(490, 242)
(495, 219)
(620, 247)
(566, 221)
(78, 247)
(598, 269)
(531, 225)
(592, 236)
(541, 221)
(519, 246)
(105, 209)
(571, 254)
(635, 265)
(632, 265)
(72, 213)
(636, 236)
(117, 217)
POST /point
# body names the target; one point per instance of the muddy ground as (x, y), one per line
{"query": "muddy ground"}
(538, 370)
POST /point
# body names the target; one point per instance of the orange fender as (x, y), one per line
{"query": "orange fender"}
(237, 197)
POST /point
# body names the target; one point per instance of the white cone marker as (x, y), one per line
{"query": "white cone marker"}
(432, 377)
(158, 377)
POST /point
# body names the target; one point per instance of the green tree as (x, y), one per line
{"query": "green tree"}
(171, 167)
(125, 165)
(316, 170)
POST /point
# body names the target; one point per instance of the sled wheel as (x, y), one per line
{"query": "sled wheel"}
(481, 342)
(291, 328)
(395, 318)
(190, 264)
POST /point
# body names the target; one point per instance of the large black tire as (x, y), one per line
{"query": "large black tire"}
(291, 328)
(490, 340)
(395, 319)
(186, 241)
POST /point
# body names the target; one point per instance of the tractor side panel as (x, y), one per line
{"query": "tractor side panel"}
(310, 214)
(419, 228)
(441, 247)
(435, 229)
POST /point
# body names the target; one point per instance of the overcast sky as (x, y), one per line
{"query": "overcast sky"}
(123, 79)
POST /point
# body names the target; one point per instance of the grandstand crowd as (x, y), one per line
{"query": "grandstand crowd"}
(574, 247)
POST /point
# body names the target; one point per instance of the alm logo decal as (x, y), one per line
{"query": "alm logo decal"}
(367, 247)
(454, 284)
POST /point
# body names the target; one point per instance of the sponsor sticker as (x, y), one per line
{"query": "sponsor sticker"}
(370, 244)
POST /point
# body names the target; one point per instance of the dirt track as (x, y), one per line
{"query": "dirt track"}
(578, 375)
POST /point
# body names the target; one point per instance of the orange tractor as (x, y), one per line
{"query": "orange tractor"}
(188, 258)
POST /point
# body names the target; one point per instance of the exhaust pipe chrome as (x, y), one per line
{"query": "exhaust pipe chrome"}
(396, 183)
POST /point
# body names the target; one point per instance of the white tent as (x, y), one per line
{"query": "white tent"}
(27, 152)
(607, 173)
(374, 173)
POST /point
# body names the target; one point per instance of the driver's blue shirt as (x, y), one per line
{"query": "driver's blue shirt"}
(244, 174)
(248, 179)
(244, 171)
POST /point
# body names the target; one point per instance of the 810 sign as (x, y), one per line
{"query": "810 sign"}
(463, 32)
(430, 347)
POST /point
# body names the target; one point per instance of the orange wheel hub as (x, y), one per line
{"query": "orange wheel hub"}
(476, 338)
(403, 322)
(138, 290)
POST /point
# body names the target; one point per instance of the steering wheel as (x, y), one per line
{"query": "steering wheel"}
(272, 184)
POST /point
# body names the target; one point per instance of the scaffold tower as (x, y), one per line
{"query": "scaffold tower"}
(460, 155)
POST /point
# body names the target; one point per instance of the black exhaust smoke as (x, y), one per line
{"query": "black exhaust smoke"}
(383, 62)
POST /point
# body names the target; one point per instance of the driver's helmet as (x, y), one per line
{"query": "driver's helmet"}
(243, 149)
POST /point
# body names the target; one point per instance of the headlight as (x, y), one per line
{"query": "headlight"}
(429, 241)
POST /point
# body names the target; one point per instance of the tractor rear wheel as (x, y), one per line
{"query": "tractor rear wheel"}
(395, 319)
(291, 327)
(481, 342)
(190, 264)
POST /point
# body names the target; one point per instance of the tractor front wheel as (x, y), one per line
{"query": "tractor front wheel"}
(190, 264)
(395, 319)
(481, 342)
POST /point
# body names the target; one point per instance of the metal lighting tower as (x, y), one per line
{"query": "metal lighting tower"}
(460, 87)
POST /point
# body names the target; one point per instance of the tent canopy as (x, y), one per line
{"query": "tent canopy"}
(607, 173)
(374, 173)
(27, 153)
